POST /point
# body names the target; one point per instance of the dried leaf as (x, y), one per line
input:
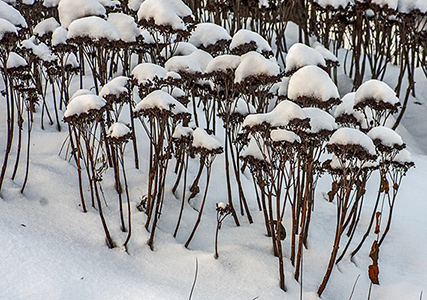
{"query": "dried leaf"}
(384, 186)
(373, 274)
(333, 191)
(377, 226)
(374, 252)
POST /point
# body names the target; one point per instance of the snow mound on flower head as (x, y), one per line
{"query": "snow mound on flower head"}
(334, 3)
(179, 49)
(70, 10)
(223, 62)
(161, 100)
(390, 3)
(254, 64)
(115, 86)
(50, 3)
(110, 3)
(165, 12)
(300, 55)
(83, 104)
(15, 61)
(387, 136)
(196, 62)
(12, 15)
(125, 25)
(283, 135)
(145, 72)
(118, 130)
(241, 107)
(327, 55)
(319, 120)
(135, 4)
(351, 136)
(203, 140)
(81, 92)
(407, 6)
(41, 50)
(59, 36)
(208, 34)
(244, 36)
(254, 150)
(94, 28)
(6, 27)
(280, 116)
(46, 26)
(404, 156)
(181, 131)
(71, 60)
(377, 90)
(312, 82)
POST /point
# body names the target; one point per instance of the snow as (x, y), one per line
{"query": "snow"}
(300, 55)
(181, 131)
(41, 50)
(334, 3)
(6, 27)
(319, 120)
(253, 150)
(83, 104)
(115, 86)
(15, 61)
(196, 62)
(222, 63)
(118, 130)
(320, 86)
(71, 60)
(94, 28)
(173, 75)
(59, 36)
(407, 6)
(377, 90)
(46, 26)
(81, 92)
(387, 136)
(174, 92)
(403, 157)
(283, 135)
(283, 87)
(327, 55)
(110, 3)
(203, 140)
(280, 116)
(148, 72)
(125, 25)
(241, 107)
(208, 34)
(390, 3)
(161, 100)
(165, 12)
(244, 36)
(254, 64)
(135, 4)
(221, 205)
(351, 136)
(12, 15)
(50, 3)
(179, 49)
(70, 10)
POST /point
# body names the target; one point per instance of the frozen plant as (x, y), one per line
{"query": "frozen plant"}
(222, 211)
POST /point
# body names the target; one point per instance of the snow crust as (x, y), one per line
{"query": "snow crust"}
(116, 86)
(300, 55)
(311, 81)
(351, 136)
(223, 63)
(377, 90)
(83, 104)
(244, 36)
(12, 15)
(165, 12)
(319, 120)
(145, 72)
(46, 26)
(70, 10)
(15, 61)
(387, 136)
(118, 130)
(254, 64)
(280, 116)
(6, 27)
(283, 135)
(208, 34)
(196, 62)
(94, 28)
(203, 140)
(126, 26)
(161, 100)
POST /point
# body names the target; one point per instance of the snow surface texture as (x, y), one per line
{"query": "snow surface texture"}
(327, 55)
(387, 136)
(15, 61)
(320, 86)
(6, 27)
(300, 55)
(203, 140)
(70, 10)
(59, 36)
(46, 26)
(160, 100)
(196, 62)
(12, 15)
(222, 63)
(283, 135)
(94, 28)
(115, 86)
(83, 104)
(148, 72)
(41, 50)
(126, 26)
(208, 34)
(165, 12)
(118, 130)
(319, 120)
(377, 90)
(351, 136)
(244, 36)
(254, 64)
